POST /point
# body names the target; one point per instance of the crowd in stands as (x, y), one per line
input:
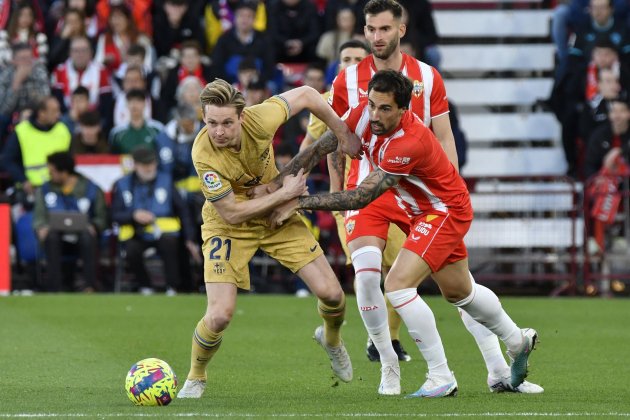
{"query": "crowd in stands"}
(591, 101)
(122, 77)
(114, 77)
(592, 82)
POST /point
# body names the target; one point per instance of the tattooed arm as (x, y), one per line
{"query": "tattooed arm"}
(376, 183)
(336, 170)
(308, 157)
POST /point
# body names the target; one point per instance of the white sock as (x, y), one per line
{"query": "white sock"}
(420, 323)
(488, 344)
(484, 307)
(371, 302)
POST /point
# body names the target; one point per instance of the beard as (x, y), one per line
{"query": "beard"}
(377, 128)
(388, 51)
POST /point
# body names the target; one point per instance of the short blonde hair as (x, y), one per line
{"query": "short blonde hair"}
(221, 93)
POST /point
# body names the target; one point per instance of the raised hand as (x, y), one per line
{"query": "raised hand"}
(294, 186)
(350, 144)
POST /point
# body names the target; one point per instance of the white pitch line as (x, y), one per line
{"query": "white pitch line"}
(327, 415)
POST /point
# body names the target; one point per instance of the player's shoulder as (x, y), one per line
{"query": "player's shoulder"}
(261, 111)
(412, 130)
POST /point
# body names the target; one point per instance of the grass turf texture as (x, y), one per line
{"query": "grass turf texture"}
(67, 355)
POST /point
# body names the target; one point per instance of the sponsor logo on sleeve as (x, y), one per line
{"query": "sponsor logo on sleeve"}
(399, 160)
(212, 181)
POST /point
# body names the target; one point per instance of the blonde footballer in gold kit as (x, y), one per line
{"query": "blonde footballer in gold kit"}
(233, 154)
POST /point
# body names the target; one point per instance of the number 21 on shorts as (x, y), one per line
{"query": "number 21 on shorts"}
(220, 248)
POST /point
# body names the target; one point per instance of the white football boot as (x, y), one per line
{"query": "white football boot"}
(340, 361)
(193, 388)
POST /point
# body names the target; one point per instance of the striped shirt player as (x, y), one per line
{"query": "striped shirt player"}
(428, 99)
(430, 203)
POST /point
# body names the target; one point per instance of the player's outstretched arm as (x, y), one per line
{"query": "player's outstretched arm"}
(374, 185)
(306, 97)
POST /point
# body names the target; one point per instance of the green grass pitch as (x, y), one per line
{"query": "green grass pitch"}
(66, 356)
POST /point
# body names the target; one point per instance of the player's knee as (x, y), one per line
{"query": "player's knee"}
(332, 296)
(454, 295)
(394, 282)
(218, 319)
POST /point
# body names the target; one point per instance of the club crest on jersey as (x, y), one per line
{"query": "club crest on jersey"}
(418, 87)
(212, 181)
(350, 226)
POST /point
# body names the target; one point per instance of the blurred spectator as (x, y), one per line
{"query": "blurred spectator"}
(89, 138)
(151, 213)
(601, 26)
(73, 26)
(121, 33)
(255, 93)
(69, 191)
(24, 27)
(294, 29)
(32, 142)
(421, 32)
(81, 70)
(243, 41)
(139, 13)
(609, 140)
(134, 80)
(219, 18)
(315, 77)
(188, 94)
(333, 7)
(175, 145)
(190, 66)
(57, 15)
(247, 73)
(331, 40)
(140, 131)
(79, 103)
(571, 15)
(22, 84)
(151, 79)
(595, 111)
(176, 22)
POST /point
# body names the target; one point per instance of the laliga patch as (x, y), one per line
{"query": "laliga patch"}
(418, 87)
(212, 181)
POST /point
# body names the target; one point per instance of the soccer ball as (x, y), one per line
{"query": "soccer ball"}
(151, 382)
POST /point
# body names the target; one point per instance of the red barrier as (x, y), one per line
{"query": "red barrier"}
(5, 243)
